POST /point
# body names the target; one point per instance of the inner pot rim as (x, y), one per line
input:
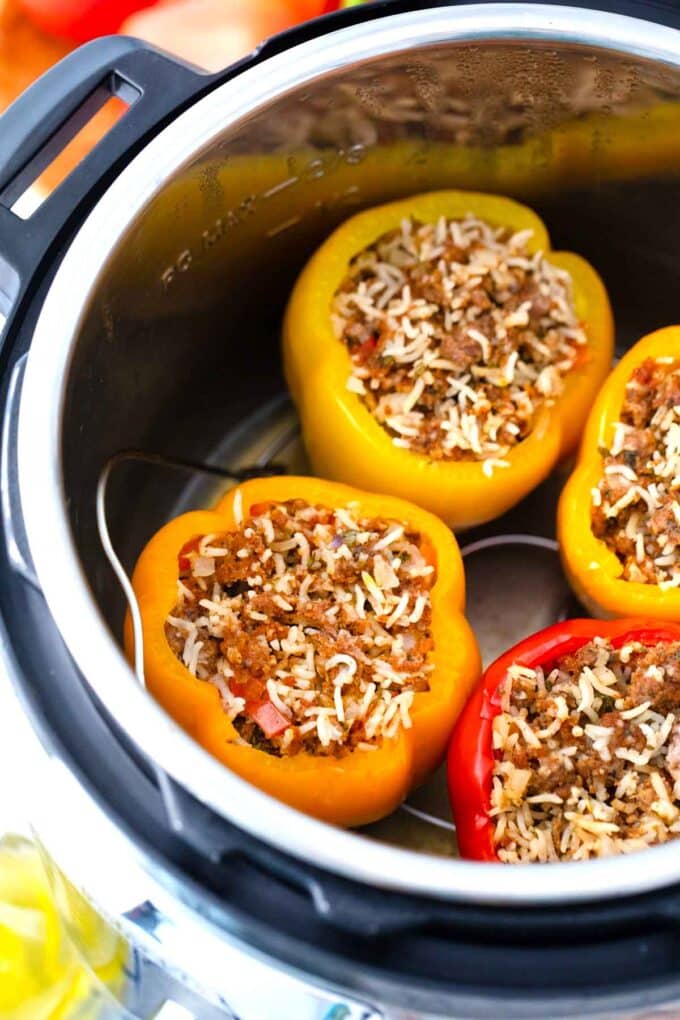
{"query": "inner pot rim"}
(43, 499)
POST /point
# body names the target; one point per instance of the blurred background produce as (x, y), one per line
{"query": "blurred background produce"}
(34, 34)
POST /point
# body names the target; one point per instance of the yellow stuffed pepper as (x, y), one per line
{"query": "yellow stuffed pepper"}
(619, 514)
(312, 638)
(438, 350)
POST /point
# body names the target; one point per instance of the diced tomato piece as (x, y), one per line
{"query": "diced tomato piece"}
(251, 689)
(257, 509)
(183, 559)
(268, 718)
(258, 706)
(367, 348)
(583, 356)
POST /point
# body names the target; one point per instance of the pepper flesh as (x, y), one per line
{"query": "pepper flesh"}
(364, 785)
(594, 571)
(344, 440)
(471, 756)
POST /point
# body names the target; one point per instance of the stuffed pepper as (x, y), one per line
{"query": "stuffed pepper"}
(619, 514)
(438, 350)
(312, 638)
(570, 747)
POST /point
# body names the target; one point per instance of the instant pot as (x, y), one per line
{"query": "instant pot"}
(141, 375)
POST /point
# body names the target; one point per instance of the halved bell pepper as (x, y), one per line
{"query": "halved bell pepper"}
(343, 438)
(594, 571)
(471, 755)
(364, 785)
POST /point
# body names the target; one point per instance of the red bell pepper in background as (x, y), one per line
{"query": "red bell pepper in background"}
(471, 755)
(81, 20)
(243, 23)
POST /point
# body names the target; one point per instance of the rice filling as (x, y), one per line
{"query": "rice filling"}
(587, 755)
(457, 335)
(314, 624)
(636, 504)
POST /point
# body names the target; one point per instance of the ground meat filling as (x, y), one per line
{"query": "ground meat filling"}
(457, 335)
(313, 623)
(636, 504)
(588, 756)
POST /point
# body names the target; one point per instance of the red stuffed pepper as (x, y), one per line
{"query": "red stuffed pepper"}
(569, 748)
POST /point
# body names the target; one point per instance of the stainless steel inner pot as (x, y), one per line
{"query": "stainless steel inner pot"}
(160, 332)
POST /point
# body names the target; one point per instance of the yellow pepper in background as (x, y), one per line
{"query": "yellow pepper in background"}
(343, 439)
(363, 785)
(594, 571)
(42, 977)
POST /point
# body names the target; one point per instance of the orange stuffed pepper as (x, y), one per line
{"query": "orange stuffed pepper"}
(312, 638)
(619, 514)
(437, 349)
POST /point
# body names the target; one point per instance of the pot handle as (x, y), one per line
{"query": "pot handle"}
(41, 122)
(16, 541)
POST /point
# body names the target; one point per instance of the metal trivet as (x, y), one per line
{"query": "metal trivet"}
(264, 465)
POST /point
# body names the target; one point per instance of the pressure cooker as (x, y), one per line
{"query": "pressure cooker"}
(141, 376)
